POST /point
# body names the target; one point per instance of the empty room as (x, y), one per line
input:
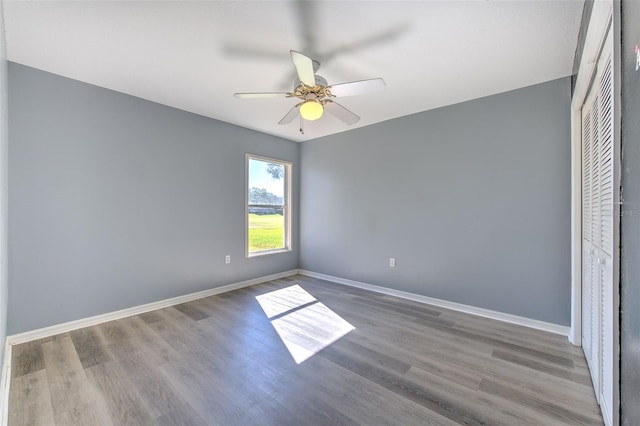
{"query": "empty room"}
(320, 212)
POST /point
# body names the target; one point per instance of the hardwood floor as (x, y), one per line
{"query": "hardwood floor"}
(222, 361)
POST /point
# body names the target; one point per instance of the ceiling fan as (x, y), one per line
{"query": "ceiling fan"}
(316, 94)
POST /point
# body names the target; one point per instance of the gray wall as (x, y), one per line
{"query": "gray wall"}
(473, 201)
(630, 218)
(115, 201)
(4, 144)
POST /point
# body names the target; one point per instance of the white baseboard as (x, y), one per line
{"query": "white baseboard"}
(4, 384)
(487, 313)
(40, 333)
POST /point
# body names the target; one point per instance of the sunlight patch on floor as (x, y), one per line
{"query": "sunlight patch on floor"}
(283, 300)
(305, 325)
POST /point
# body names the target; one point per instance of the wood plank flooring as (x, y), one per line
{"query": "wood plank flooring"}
(221, 361)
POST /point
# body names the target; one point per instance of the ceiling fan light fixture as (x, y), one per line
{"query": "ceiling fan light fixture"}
(311, 110)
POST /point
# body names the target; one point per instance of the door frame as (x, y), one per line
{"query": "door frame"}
(604, 18)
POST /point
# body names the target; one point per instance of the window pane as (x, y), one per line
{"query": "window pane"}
(267, 206)
(266, 183)
(266, 228)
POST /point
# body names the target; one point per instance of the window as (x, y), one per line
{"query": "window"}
(268, 215)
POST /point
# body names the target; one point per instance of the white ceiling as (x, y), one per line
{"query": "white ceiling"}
(193, 55)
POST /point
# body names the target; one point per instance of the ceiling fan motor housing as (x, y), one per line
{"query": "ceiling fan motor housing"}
(320, 81)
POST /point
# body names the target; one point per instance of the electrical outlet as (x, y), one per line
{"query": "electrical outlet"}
(227, 259)
(392, 262)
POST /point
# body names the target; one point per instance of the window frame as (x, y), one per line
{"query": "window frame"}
(288, 166)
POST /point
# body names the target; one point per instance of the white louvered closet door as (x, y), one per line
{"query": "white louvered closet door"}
(598, 231)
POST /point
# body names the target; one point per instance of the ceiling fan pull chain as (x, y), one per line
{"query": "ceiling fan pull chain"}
(301, 125)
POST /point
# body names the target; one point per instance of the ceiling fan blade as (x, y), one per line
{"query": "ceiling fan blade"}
(262, 95)
(304, 67)
(341, 112)
(306, 18)
(234, 48)
(361, 87)
(293, 113)
(386, 36)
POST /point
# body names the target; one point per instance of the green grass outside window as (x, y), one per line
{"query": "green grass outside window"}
(266, 232)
